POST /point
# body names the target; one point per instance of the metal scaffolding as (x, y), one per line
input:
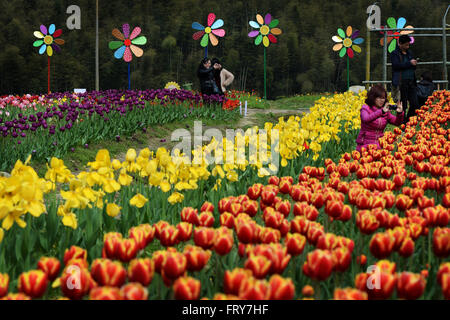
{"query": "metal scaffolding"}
(444, 61)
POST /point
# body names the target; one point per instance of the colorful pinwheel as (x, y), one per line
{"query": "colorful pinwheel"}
(127, 45)
(48, 43)
(266, 34)
(347, 43)
(392, 36)
(266, 30)
(208, 33)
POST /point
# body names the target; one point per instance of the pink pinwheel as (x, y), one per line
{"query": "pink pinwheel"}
(210, 32)
(266, 30)
(127, 43)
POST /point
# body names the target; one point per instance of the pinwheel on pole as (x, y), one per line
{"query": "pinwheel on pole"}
(265, 34)
(127, 46)
(347, 43)
(392, 36)
(208, 33)
(48, 43)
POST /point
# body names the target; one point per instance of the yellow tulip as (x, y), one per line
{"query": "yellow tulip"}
(125, 179)
(138, 200)
(131, 155)
(175, 197)
(2, 234)
(113, 210)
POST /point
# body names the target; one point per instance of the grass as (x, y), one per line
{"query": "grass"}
(289, 103)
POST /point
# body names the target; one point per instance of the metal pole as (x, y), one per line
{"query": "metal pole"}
(97, 77)
(385, 49)
(444, 46)
(368, 58)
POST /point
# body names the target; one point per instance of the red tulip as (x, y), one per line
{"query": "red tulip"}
(342, 258)
(105, 293)
(445, 284)
(233, 280)
(134, 291)
(441, 242)
(184, 231)
(33, 283)
(111, 243)
(259, 265)
(285, 186)
(4, 284)
(196, 257)
(186, 288)
(253, 289)
(284, 207)
(74, 253)
(246, 232)
(204, 237)
(319, 264)
(206, 219)
(274, 180)
(159, 227)
(349, 294)
(190, 215)
(250, 207)
(75, 282)
(366, 222)
(227, 220)
(407, 248)
(16, 296)
(138, 235)
(223, 241)
(281, 288)
(443, 269)
(127, 250)
(108, 273)
(410, 285)
(295, 243)
(254, 191)
(141, 270)
(381, 245)
(207, 207)
(50, 266)
(300, 225)
(174, 265)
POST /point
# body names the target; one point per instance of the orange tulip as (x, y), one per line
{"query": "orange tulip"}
(410, 285)
(223, 241)
(4, 284)
(259, 265)
(441, 242)
(319, 264)
(16, 296)
(196, 257)
(75, 282)
(253, 289)
(233, 280)
(74, 253)
(381, 245)
(407, 248)
(108, 273)
(105, 293)
(281, 288)
(295, 243)
(134, 291)
(50, 266)
(349, 294)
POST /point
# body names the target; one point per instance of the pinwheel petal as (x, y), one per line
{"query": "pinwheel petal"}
(392, 46)
(391, 23)
(355, 34)
(38, 35)
(219, 32)
(356, 48)
(197, 26)
(266, 41)
(337, 46)
(342, 52)
(126, 30)
(49, 51)
(138, 52)
(358, 41)
(260, 19)
(38, 43)
(211, 18)
(113, 45)
(258, 39)
(127, 56)
(349, 31)
(336, 39)
(116, 33)
(119, 52)
(272, 38)
(198, 35)
(42, 49)
(412, 40)
(204, 41)
(275, 31)
(43, 30)
(341, 33)
(59, 41)
(57, 33)
(51, 29)
(135, 33)
(267, 19)
(254, 24)
(56, 48)
(274, 23)
(401, 23)
(213, 39)
(139, 40)
(253, 33)
(407, 31)
(217, 24)
(350, 53)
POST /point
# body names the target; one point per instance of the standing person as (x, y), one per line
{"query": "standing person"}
(404, 83)
(223, 77)
(375, 115)
(205, 74)
(425, 87)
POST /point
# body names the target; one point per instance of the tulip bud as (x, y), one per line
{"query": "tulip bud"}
(50, 266)
(410, 285)
(361, 260)
(134, 291)
(141, 270)
(186, 288)
(105, 293)
(307, 291)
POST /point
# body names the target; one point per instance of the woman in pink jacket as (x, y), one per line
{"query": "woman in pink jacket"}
(375, 115)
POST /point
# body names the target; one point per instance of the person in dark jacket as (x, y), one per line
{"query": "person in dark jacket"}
(425, 87)
(404, 83)
(205, 74)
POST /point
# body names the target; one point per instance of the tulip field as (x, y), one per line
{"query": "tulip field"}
(333, 223)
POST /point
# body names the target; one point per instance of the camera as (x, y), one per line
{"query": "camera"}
(392, 107)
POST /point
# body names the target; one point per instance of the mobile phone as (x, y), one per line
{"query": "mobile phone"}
(392, 107)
